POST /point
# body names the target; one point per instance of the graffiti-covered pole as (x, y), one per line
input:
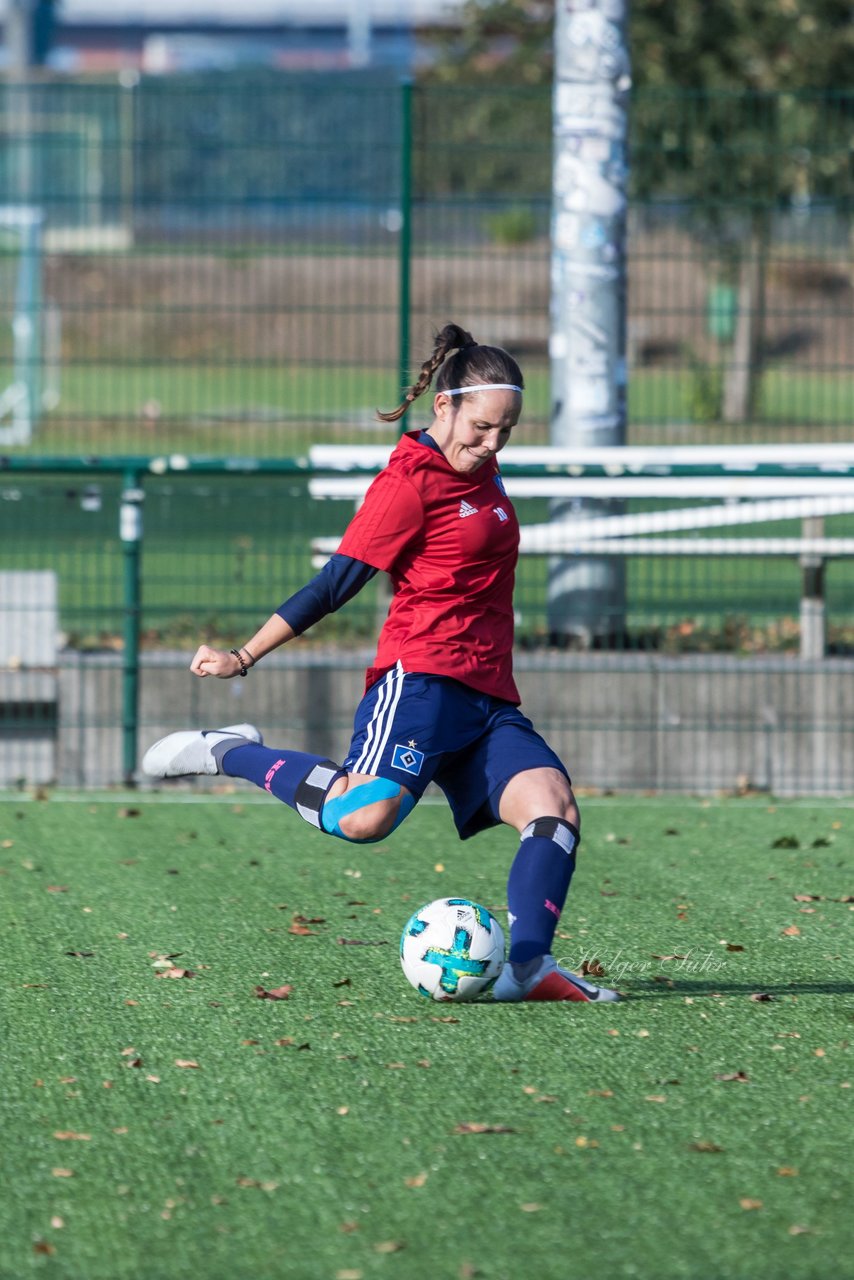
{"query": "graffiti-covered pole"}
(588, 320)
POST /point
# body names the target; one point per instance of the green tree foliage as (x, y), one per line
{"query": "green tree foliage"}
(739, 107)
(708, 116)
(496, 40)
(758, 45)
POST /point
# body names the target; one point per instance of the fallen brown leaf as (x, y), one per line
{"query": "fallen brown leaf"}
(300, 929)
(709, 1147)
(761, 996)
(740, 1077)
(277, 993)
(68, 1135)
(592, 969)
(747, 1203)
(791, 932)
(187, 1063)
(390, 1246)
(174, 972)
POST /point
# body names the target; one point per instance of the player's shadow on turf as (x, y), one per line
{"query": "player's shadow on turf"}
(708, 987)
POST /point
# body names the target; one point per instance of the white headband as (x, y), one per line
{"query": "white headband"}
(482, 386)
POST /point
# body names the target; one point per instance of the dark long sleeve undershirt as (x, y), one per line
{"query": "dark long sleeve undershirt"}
(338, 581)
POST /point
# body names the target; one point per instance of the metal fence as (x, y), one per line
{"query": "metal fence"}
(236, 269)
(710, 688)
(217, 264)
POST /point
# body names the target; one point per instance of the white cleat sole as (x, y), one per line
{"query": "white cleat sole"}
(189, 752)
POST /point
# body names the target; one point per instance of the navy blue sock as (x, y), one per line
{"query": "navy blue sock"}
(538, 885)
(294, 777)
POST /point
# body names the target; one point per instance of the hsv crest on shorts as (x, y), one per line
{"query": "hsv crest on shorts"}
(407, 759)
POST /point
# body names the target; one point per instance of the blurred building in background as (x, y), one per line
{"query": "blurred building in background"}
(160, 36)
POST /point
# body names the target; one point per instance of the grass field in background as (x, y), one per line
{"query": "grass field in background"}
(163, 1120)
(274, 410)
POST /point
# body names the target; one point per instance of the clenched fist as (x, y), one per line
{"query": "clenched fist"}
(214, 662)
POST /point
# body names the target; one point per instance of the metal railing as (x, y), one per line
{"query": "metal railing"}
(226, 264)
(225, 540)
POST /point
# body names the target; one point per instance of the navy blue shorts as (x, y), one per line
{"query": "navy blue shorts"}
(416, 729)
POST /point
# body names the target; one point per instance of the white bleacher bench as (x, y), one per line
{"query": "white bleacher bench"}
(29, 699)
(747, 495)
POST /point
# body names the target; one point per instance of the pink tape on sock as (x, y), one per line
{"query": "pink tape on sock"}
(271, 773)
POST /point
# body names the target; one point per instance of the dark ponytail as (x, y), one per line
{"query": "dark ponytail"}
(472, 364)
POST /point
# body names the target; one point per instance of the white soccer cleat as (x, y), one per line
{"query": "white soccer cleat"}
(191, 750)
(549, 982)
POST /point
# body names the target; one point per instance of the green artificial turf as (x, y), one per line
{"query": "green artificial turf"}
(700, 1129)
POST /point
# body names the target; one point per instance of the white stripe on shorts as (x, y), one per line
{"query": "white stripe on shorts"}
(380, 726)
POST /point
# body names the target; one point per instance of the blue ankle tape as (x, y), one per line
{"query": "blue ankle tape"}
(357, 798)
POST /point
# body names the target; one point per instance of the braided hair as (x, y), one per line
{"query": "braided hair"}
(470, 365)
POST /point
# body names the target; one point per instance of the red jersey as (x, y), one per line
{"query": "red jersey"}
(449, 541)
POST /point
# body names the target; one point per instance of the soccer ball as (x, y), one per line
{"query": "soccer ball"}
(452, 949)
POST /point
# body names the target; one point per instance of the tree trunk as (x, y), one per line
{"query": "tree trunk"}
(744, 365)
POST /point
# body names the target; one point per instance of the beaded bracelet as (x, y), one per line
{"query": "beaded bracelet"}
(244, 670)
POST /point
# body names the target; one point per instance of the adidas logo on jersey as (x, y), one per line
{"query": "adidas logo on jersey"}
(466, 509)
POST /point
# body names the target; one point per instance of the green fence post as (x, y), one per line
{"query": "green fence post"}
(130, 532)
(405, 246)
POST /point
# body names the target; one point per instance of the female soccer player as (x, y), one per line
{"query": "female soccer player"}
(441, 704)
